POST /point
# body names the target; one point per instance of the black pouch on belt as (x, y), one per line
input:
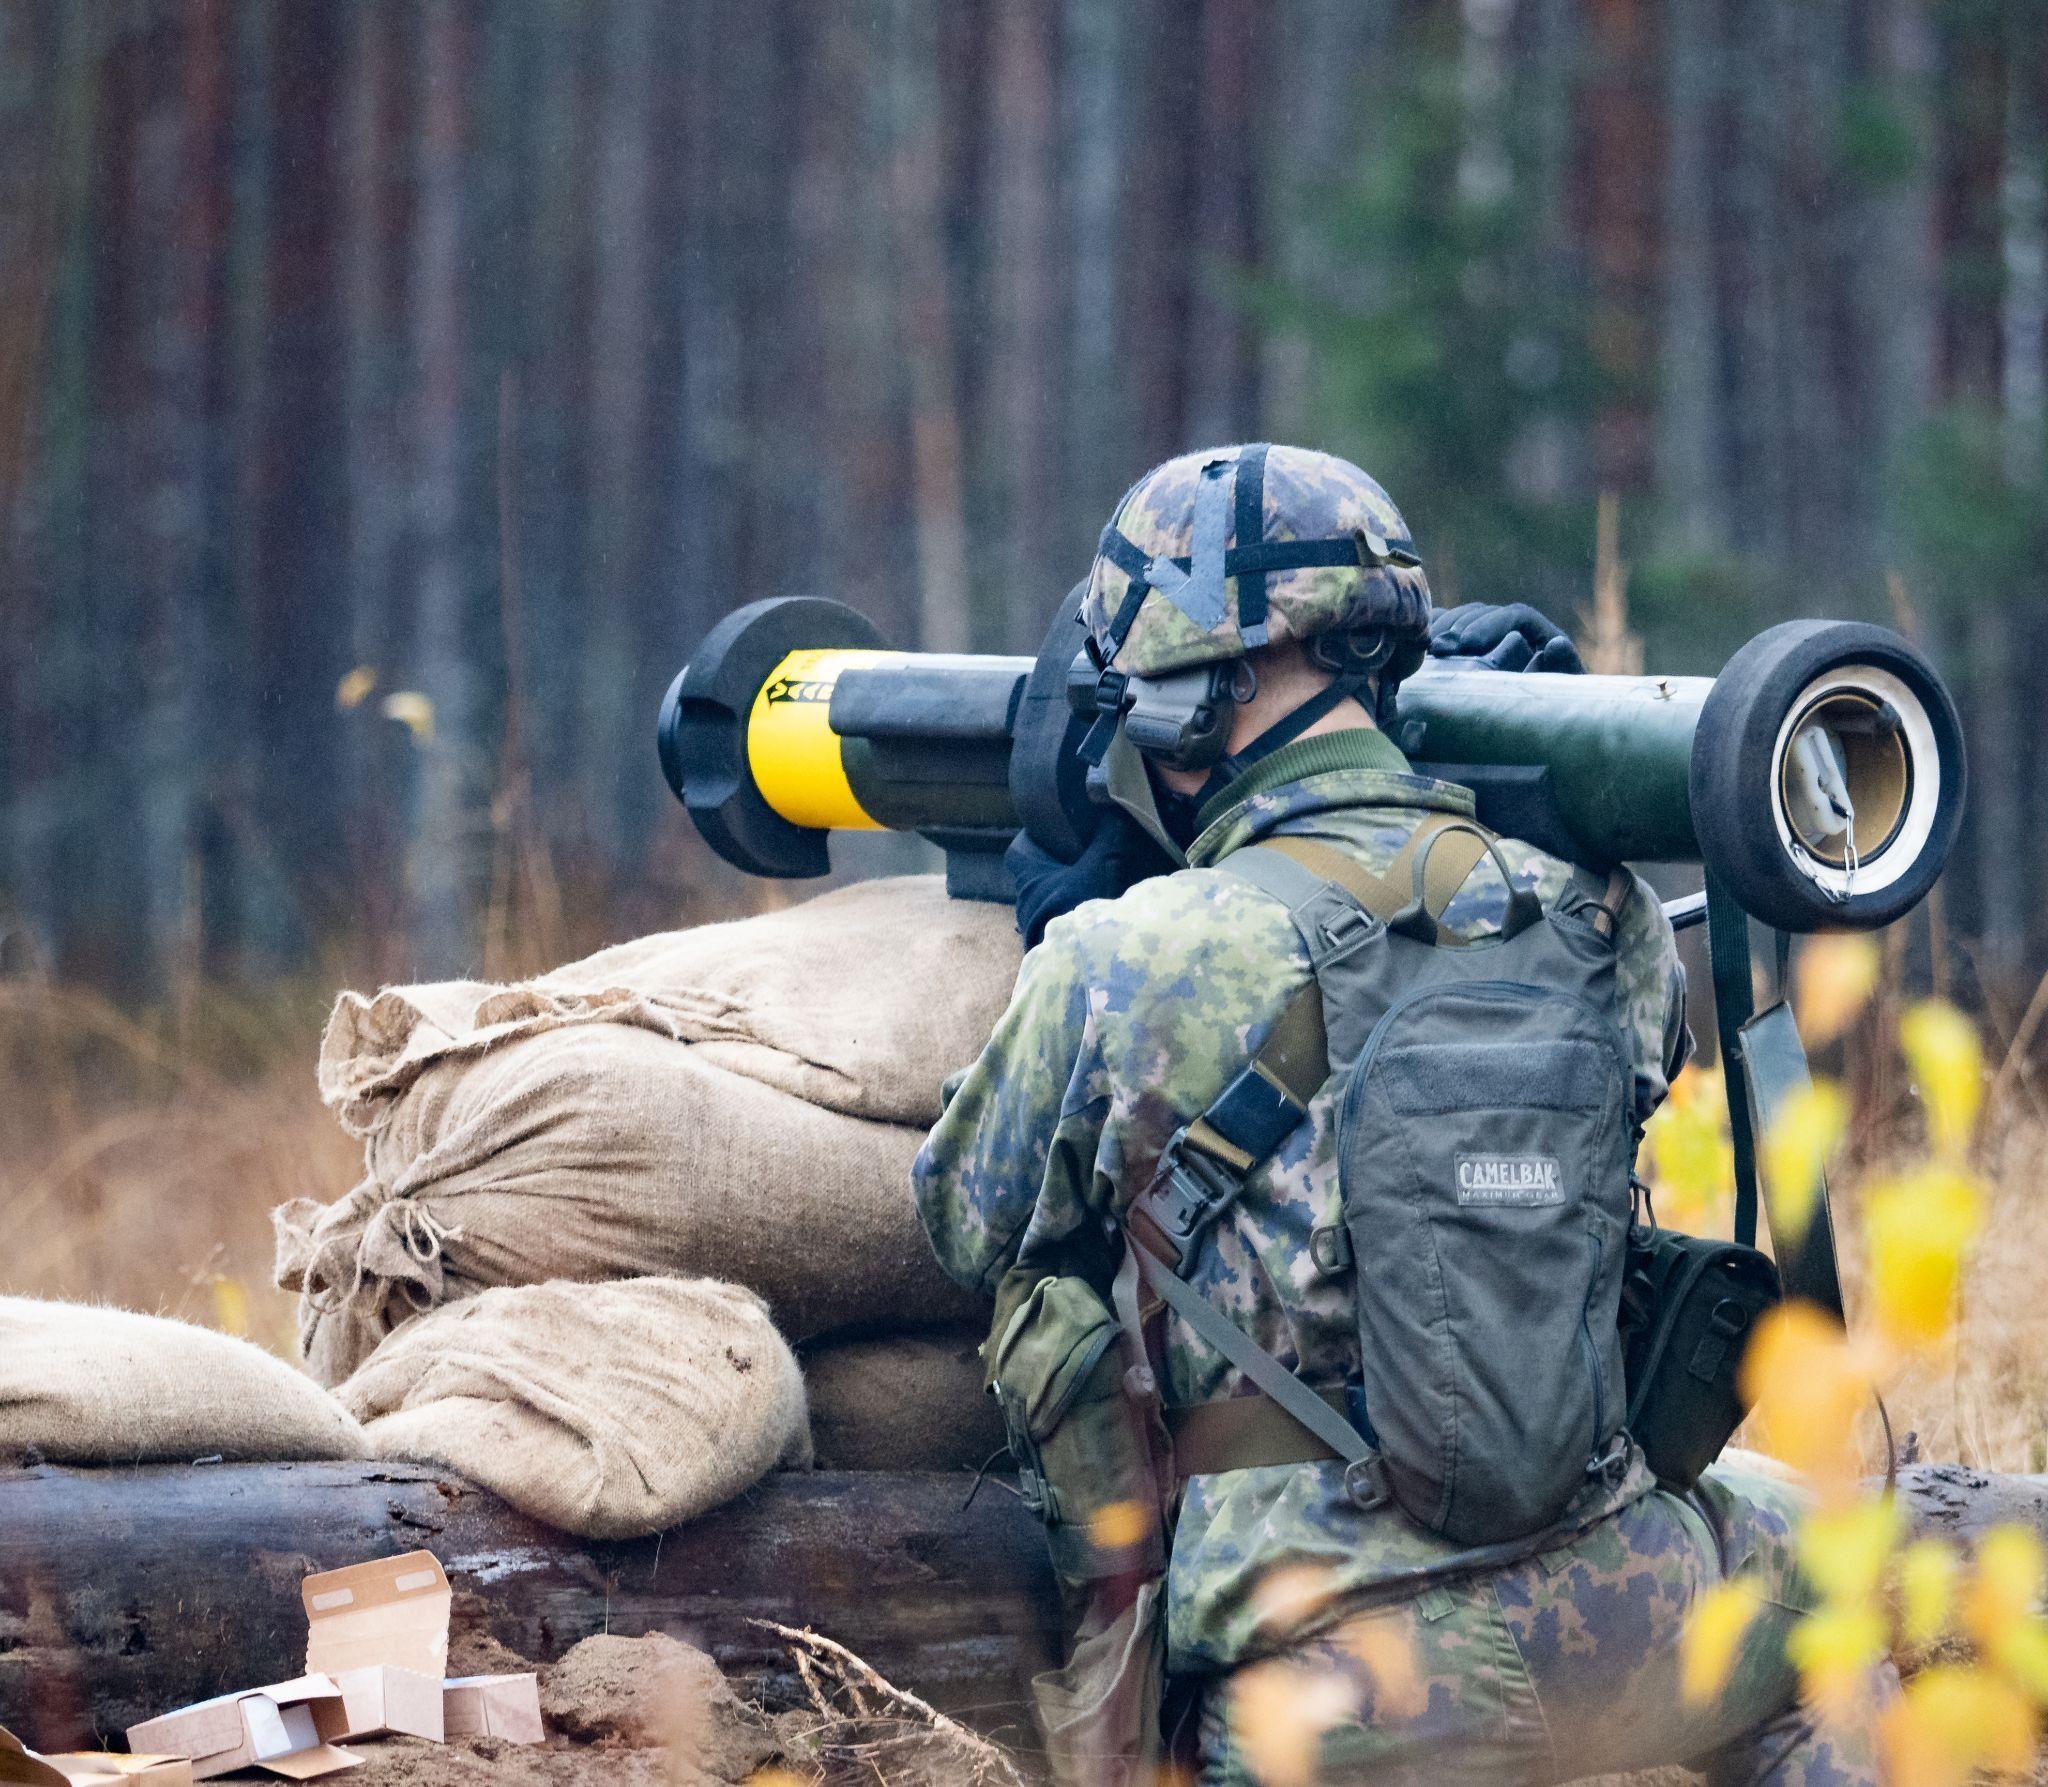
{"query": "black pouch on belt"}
(1687, 1308)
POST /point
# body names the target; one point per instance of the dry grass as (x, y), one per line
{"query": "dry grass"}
(140, 1159)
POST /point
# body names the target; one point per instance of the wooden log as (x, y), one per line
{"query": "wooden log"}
(125, 1592)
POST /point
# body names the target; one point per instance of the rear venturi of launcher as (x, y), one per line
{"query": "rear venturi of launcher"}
(1819, 777)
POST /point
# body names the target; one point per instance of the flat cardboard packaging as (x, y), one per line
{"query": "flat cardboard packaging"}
(22, 1767)
(506, 1706)
(288, 1728)
(379, 1631)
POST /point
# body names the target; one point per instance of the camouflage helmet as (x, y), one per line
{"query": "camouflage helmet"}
(1219, 552)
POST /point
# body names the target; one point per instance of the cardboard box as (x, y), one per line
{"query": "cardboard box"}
(288, 1728)
(104, 1768)
(506, 1706)
(22, 1767)
(379, 1631)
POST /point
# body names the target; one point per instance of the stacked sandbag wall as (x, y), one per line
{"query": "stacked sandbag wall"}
(738, 1103)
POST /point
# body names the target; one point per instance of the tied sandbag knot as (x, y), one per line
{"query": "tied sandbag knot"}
(373, 1234)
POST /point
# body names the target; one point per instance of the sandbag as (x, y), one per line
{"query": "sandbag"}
(741, 1101)
(913, 1403)
(83, 1384)
(608, 1411)
(862, 1000)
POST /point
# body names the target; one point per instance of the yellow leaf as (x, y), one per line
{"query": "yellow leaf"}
(230, 1306)
(1948, 1066)
(1807, 1385)
(1118, 1525)
(1795, 1150)
(1384, 1645)
(1918, 1231)
(1836, 975)
(1692, 1161)
(1292, 1598)
(351, 690)
(1278, 1714)
(1928, 1571)
(1843, 1551)
(414, 710)
(1950, 1721)
(1712, 1638)
(1834, 1649)
(2004, 1587)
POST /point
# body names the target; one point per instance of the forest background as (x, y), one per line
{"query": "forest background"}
(391, 393)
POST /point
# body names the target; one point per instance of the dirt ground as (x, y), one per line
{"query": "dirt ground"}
(654, 1712)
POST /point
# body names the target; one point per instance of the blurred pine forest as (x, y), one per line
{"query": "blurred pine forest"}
(481, 353)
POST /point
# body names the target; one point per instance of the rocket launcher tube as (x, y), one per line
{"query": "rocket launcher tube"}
(1820, 775)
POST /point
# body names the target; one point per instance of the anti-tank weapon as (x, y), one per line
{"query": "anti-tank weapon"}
(1818, 780)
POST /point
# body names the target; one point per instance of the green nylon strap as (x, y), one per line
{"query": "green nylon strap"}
(1218, 1331)
(1734, 1006)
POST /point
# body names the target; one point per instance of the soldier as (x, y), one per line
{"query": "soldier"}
(1251, 612)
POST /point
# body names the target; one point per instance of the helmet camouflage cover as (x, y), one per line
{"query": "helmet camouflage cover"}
(1216, 553)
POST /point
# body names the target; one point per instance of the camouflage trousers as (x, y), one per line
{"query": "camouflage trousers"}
(1567, 1665)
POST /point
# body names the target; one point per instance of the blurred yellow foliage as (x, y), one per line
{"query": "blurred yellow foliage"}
(412, 710)
(1278, 1713)
(352, 690)
(1118, 1525)
(1919, 1230)
(1834, 1649)
(1806, 1384)
(1952, 1721)
(1836, 974)
(1691, 1160)
(1384, 1645)
(1843, 1551)
(1928, 1572)
(1795, 1151)
(1810, 1380)
(1707, 1648)
(1948, 1066)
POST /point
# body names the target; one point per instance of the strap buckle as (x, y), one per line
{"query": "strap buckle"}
(1611, 1461)
(1193, 1189)
(1365, 1484)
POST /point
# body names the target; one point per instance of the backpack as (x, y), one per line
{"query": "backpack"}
(1486, 1133)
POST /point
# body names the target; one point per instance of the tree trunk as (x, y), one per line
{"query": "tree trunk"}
(442, 866)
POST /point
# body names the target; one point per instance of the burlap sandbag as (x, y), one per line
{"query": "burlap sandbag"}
(861, 1000)
(915, 1403)
(741, 1101)
(606, 1410)
(606, 1151)
(82, 1384)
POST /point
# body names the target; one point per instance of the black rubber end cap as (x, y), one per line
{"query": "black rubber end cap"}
(702, 730)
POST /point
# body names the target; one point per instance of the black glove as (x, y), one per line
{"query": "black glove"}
(1510, 636)
(1117, 857)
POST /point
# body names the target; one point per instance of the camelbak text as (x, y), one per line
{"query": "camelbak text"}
(1525, 1179)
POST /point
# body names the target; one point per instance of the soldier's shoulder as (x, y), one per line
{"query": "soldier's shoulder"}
(1182, 916)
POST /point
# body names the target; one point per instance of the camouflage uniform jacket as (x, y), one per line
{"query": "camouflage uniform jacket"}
(1126, 1021)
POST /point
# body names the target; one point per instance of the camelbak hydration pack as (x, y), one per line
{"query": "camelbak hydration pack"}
(1485, 1134)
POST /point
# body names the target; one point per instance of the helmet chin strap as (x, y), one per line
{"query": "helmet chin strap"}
(1179, 811)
